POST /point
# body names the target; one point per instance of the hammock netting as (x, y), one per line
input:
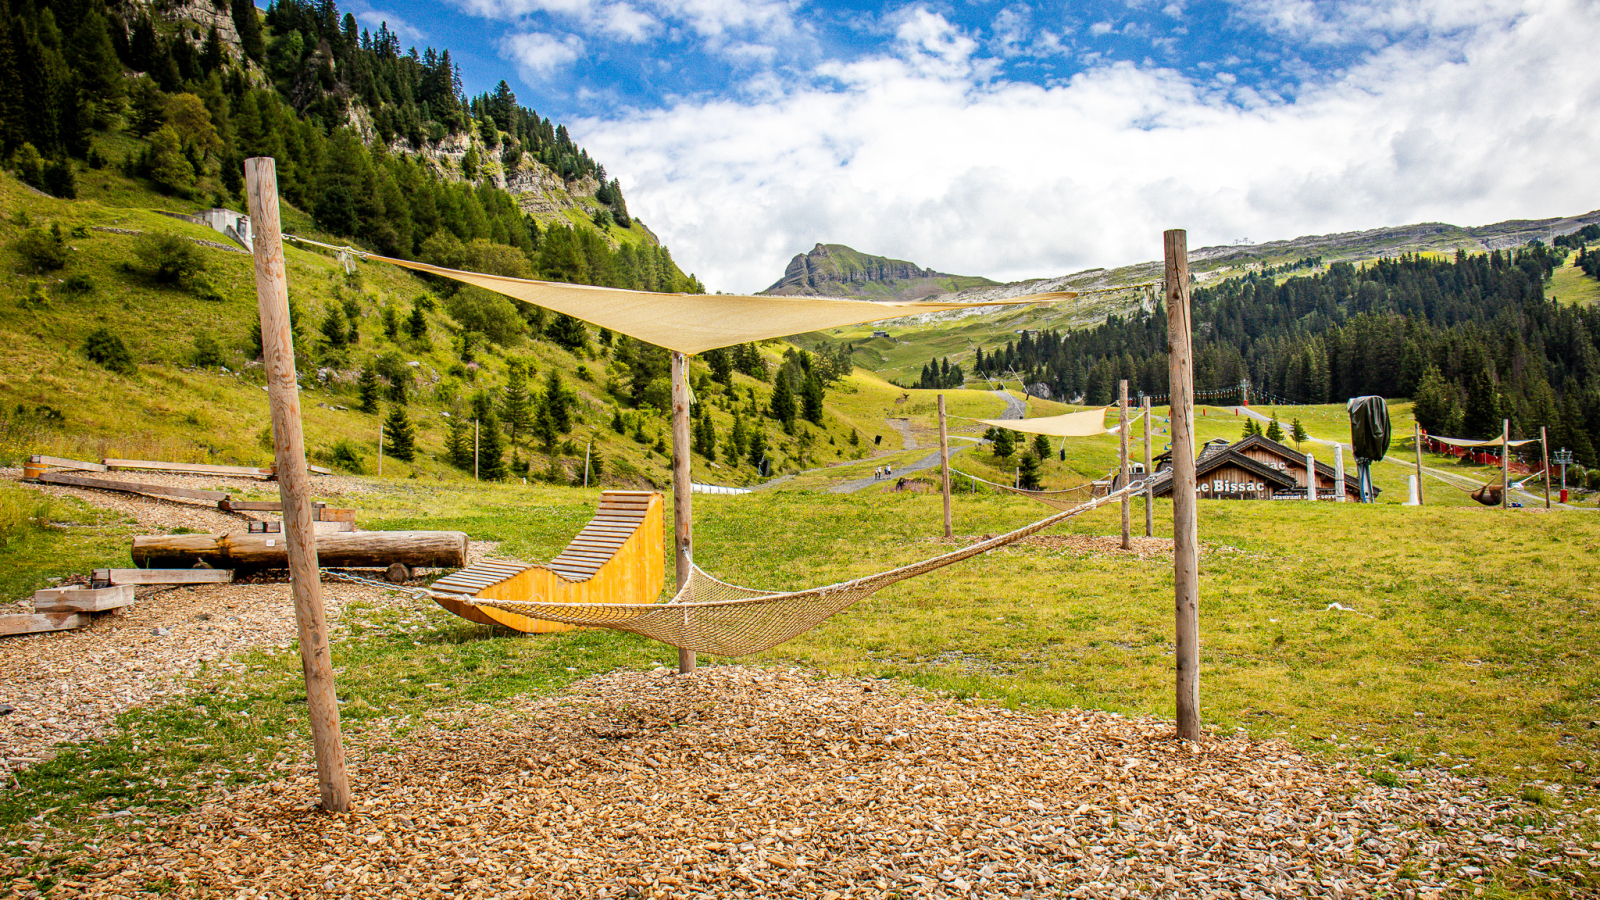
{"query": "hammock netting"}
(713, 617)
(1065, 498)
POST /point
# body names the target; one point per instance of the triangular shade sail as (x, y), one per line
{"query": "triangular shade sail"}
(692, 323)
(1079, 424)
(1492, 442)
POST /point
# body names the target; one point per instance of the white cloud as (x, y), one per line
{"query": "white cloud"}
(371, 18)
(1012, 180)
(539, 55)
(716, 22)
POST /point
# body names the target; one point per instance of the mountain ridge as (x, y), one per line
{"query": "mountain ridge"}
(836, 270)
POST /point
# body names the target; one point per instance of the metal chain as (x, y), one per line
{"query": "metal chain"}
(418, 593)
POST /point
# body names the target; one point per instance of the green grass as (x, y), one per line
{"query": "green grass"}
(1568, 284)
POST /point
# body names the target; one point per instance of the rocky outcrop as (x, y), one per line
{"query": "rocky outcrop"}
(834, 270)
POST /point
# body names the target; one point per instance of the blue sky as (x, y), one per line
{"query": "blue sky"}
(1018, 139)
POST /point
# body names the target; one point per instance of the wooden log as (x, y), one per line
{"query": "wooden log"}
(37, 623)
(144, 465)
(81, 598)
(357, 549)
(682, 486)
(944, 465)
(130, 487)
(301, 554)
(259, 505)
(1185, 529)
(163, 576)
(1122, 464)
(61, 463)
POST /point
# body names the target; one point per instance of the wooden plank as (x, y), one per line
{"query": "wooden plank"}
(332, 514)
(145, 465)
(164, 576)
(62, 463)
(333, 527)
(360, 549)
(38, 623)
(81, 598)
(130, 487)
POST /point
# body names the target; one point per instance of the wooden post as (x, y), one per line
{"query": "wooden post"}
(283, 394)
(1185, 530)
(1505, 464)
(474, 449)
(1149, 482)
(1311, 478)
(1338, 473)
(682, 517)
(380, 448)
(1544, 453)
(1417, 433)
(586, 448)
(1122, 463)
(944, 464)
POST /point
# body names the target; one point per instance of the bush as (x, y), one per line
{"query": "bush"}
(345, 457)
(1594, 479)
(491, 314)
(59, 180)
(29, 165)
(207, 352)
(203, 289)
(104, 347)
(168, 258)
(44, 250)
(78, 285)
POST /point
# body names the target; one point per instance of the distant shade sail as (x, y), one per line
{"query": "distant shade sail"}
(1087, 423)
(694, 323)
(1492, 442)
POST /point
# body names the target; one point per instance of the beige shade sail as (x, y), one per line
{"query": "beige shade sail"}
(1492, 442)
(692, 323)
(1079, 424)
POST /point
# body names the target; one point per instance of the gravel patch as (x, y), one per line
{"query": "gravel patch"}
(743, 782)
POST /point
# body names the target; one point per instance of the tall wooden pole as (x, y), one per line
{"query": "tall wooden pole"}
(1417, 432)
(474, 449)
(1544, 453)
(1122, 462)
(283, 394)
(1311, 477)
(380, 448)
(1149, 482)
(682, 511)
(1185, 530)
(1505, 465)
(944, 463)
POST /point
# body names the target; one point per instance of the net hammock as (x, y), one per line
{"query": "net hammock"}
(1064, 498)
(721, 619)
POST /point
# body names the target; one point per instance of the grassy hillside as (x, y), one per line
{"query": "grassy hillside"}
(55, 400)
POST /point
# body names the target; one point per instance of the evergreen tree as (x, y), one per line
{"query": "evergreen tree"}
(491, 449)
(782, 406)
(1482, 416)
(758, 449)
(1041, 447)
(811, 399)
(617, 425)
(369, 387)
(1003, 446)
(1250, 428)
(516, 404)
(721, 363)
(557, 402)
(458, 442)
(736, 440)
(705, 435)
(417, 324)
(1274, 430)
(1028, 474)
(1298, 432)
(568, 332)
(1436, 408)
(399, 435)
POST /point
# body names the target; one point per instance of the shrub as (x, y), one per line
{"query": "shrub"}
(29, 165)
(22, 515)
(207, 352)
(44, 250)
(104, 347)
(78, 285)
(34, 296)
(203, 289)
(1594, 479)
(168, 258)
(59, 181)
(344, 456)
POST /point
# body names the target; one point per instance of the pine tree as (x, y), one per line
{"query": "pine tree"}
(458, 442)
(369, 388)
(811, 399)
(1028, 474)
(758, 449)
(491, 449)
(1274, 430)
(782, 405)
(417, 324)
(1041, 447)
(1250, 428)
(736, 440)
(1436, 408)
(1298, 433)
(516, 405)
(398, 434)
(617, 425)
(1003, 446)
(557, 402)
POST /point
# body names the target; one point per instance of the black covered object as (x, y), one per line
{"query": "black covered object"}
(1369, 428)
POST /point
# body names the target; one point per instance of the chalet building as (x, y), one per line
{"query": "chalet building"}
(1253, 469)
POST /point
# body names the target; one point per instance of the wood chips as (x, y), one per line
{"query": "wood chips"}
(743, 782)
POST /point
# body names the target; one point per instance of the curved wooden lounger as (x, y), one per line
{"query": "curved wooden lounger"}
(616, 558)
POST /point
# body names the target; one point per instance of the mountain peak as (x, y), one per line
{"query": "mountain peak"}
(835, 270)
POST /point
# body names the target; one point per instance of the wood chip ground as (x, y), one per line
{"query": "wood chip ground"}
(745, 782)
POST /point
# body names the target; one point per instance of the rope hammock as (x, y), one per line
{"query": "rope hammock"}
(712, 616)
(1064, 498)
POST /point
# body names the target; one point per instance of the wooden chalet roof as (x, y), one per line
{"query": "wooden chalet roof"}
(1214, 457)
(1352, 482)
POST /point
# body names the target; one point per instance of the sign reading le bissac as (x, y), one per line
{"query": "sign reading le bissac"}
(1219, 486)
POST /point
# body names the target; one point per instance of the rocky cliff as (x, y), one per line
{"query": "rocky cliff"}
(834, 270)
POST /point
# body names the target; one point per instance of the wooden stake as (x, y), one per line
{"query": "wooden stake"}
(944, 464)
(1311, 478)
(586, 448)
(1149, 483)
(1544, 452)
(682, 512)
(277, 348)
(1122, 463)
(1505, 465)
(380, 448)
(1417, 434)
(1185, 529)
(1338, 473)
(474, 449)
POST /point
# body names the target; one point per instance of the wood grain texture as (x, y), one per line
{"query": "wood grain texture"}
(682, 486)
(944, 464)
(38, 623)
(356, 549)
(145, 465)
(82, 599)
(164, 576)
(1185, 531)
(131, 487)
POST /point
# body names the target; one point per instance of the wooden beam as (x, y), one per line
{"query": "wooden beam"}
(1185, 530)
(62, 463)
(682, 487)
(944, 464)
(130, 487)
(37, 623)
(82, 598)
(277, 344)
(144, 465)
(163, 576)
(357, 549)
(1122, 463)
(335, 514)
(260, 505)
